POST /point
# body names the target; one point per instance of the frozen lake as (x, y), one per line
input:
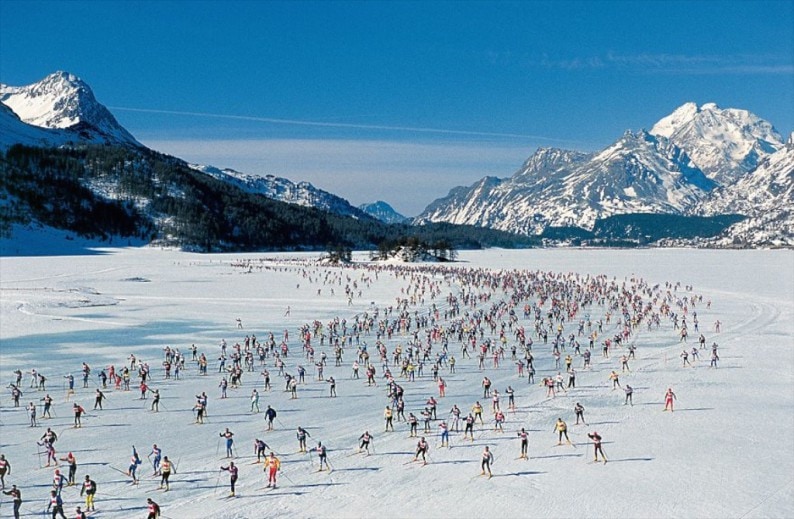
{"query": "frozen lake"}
(727, 450)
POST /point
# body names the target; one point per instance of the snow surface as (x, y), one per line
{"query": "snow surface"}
(726, 451)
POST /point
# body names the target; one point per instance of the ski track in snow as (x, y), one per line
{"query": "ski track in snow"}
(725, 452)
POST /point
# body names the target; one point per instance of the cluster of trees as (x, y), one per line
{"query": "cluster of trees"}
(105, 191)
(414, 248)
(632, 230)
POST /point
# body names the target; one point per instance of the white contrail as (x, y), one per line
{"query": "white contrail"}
(339, 125)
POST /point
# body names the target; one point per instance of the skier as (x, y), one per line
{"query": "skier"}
(301, 435)
(444, 434)
(270, 415)
(135, 460)
(17, 497)
(487, 460)
(421, 448)
(685, 356)
(469, 430)
(562, 429)
(58, 481)
(259, 449)
(72, 461)
(333, 386)
(669, 396)
(157, 452)
(47, 406)
(5, 468)
(597, 445)
(387, 415)
(98, 399)
(322, 454)
(232, 470)
(165, 473)
(714, 358)
(365, 439)
(455, 412)
(153, 508)
(32, 410)
(629, 392)
(272, 466)
(229, 442)
(55, 504)
(78, 413)
(255, 400)
(524, 443)
(413, 422)
(89, 488)
(155, 401)
(614, 377)
(578, 409)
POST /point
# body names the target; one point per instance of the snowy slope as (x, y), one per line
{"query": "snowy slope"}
(766, 196)
(62, 100)
(723, 453)
(723, 143)
(278, 188)
(14, 131)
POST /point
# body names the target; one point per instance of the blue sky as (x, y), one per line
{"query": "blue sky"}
(402, 101)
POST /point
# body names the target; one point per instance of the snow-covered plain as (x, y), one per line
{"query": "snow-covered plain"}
(726, 451)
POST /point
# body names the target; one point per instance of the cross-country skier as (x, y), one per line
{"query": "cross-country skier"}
(365, 439)
(562, 429)
(157, 453)
(270, 415)
(301, 435)
(421, 449)
(72, 461)
(629, 392)
(56, 504)
(578, 409)
(232, 470)
(669, 396)
(16, 495)
(165, 473)
(524, 443)
(153, 509)
(89, 488)
(597, 445)
(259, 449)
(322, 454)
(5, 468)
(487, 460)
(272, 466)
(135, 460)
(229, 442)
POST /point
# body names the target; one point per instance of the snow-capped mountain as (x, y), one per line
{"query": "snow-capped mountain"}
(671, 169)
(639, 173)
(724, 143)
(277, 188)
(63, 101)
(766, 196)
(382, 211)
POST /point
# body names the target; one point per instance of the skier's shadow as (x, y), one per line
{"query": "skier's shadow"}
(319, 485)
(572, 455)
(631, 459)
(523, 473)
(682, 409)
(358, 469)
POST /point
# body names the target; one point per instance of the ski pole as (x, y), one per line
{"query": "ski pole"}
(217, 481)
